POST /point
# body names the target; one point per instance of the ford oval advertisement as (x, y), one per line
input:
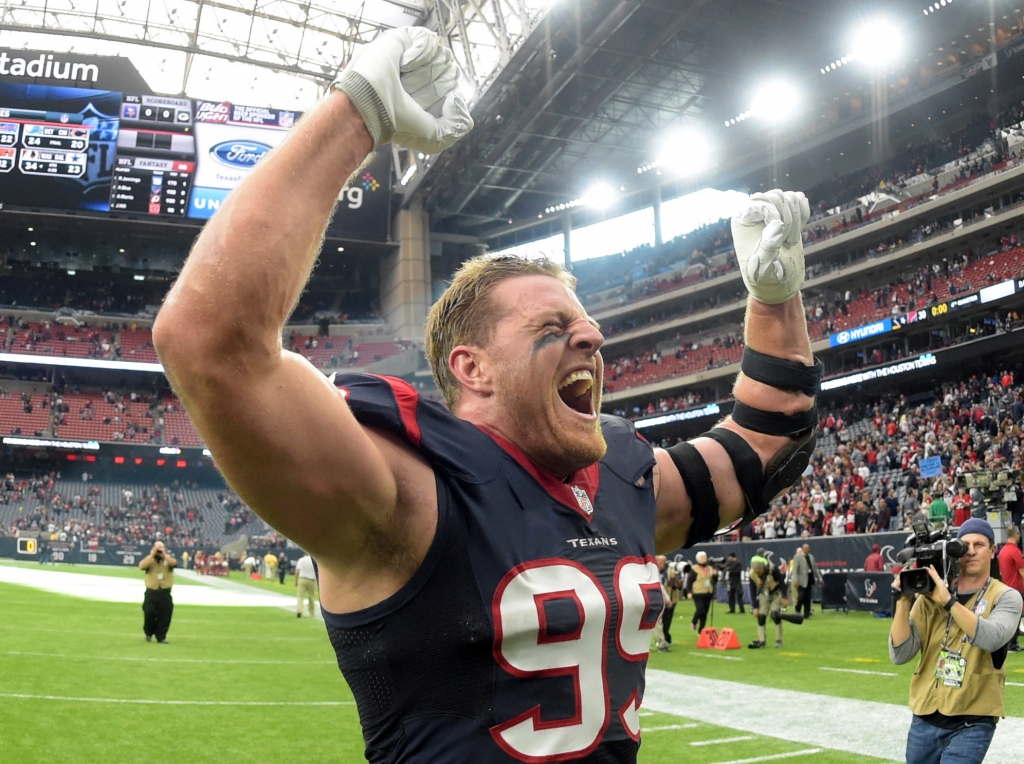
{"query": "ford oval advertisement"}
(231, 140)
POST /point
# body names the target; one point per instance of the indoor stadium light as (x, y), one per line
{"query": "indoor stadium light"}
(685, 152)
(775, 101)
(599, 195)
(877, 42)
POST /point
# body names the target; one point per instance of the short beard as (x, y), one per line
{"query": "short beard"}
(566, 455)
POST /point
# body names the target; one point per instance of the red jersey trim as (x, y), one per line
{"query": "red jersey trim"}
(561, 491)
(408, 401)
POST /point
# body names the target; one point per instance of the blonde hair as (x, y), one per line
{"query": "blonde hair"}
(466, 314)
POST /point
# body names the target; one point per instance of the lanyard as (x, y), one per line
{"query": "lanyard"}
(949, 620)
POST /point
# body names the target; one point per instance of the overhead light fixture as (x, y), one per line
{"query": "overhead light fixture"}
(686, 152)
(774, 101)
(877, 42)
(139, 277)
(599, 195)
(563, 206)
(409, 173)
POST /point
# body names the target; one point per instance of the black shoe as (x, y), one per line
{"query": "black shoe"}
(1015, 649)
(755, 644)
(732, 611)
(163, 642)
(298, 615)
(149, 637)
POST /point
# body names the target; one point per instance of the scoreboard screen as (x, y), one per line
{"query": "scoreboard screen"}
(105, 151)
(57, 146)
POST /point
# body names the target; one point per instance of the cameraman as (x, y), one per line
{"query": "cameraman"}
(956, 694)
(703, 579)
(734, 582)
(157, 606)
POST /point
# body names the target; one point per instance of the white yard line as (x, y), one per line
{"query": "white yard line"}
(773, 757)
(119, 658)
(719, 657)
(1015, 684)
(666, 727)
(161, 702)
(880, 729)
(857, 671)
(723, 740)
(216, 592)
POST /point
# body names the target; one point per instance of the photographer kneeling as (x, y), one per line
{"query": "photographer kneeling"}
(956, 693)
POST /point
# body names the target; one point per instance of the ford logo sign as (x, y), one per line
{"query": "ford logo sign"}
(240, 154)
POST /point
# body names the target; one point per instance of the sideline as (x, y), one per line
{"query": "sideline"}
(130, 590)
(120, 658)
(154, 702)
(863, 727)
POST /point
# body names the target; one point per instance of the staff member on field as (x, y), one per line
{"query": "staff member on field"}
(956, 693)
(305, 586)
(157, 606)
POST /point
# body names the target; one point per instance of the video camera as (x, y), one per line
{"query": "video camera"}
(927, 547)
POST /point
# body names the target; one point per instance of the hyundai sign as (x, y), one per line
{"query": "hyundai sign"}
(860, 333)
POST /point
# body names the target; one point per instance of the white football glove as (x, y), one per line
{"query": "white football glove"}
(767, 237)
(404, 86)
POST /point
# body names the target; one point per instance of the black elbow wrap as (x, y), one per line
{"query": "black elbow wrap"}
(701, 490)
(781, 373)
(761, 485)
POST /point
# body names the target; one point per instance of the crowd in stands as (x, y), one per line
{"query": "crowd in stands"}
(181, 514)
(865, 476)
(635, 274)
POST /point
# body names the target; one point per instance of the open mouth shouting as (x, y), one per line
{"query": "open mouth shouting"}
(577, 392)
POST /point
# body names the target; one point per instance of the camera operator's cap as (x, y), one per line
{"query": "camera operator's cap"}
(977, 525)
(876, 548)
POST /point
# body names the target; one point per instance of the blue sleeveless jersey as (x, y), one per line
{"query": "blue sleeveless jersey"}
(524, 635)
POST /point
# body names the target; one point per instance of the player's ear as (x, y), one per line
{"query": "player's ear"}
(473, 370)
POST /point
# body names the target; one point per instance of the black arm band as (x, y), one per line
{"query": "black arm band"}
(781, 373)
(701, 490)
(749, 472)
(773, 422)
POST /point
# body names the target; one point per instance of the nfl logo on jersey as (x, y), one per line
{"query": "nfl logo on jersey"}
(583, 500)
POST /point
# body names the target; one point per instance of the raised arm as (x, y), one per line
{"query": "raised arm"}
(281, 433)
(739, 466)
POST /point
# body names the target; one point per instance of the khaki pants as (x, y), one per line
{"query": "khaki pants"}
(766, 605)
(306, 589)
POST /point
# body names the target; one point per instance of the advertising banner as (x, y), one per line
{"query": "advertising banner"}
(871, 592)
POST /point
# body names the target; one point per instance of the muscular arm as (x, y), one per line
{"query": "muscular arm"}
(281, 433)
(777, 330)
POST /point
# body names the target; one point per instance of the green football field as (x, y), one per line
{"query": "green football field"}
(78, 683)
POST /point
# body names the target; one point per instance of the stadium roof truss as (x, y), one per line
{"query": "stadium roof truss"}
(295, 38)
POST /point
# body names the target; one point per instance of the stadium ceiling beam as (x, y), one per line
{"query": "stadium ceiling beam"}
(618, 16)
(600, 97)
(156, 30)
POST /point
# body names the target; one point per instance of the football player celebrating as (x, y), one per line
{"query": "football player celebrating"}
(487, 570)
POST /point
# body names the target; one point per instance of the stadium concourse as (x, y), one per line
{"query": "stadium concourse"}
(617, 137)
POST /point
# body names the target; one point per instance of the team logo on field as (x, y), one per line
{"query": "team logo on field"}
(582, 499)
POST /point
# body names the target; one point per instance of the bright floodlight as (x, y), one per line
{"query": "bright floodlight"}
(877, 43)
(775, 101)
(686, 152)
(599, 195)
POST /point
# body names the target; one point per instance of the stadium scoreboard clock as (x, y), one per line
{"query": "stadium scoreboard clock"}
(27, 546)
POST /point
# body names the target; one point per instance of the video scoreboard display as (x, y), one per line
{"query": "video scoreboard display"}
(68, 148)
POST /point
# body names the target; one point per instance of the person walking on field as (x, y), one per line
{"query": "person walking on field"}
(158, 607)
(305, 586)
